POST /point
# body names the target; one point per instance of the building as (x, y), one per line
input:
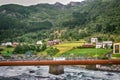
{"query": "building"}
(88, 45)
(94, 40)
(99, 45)
(14, 44)
(116, 48)
(6, 44)
(107, 44)
(39, 43)
(54, 42)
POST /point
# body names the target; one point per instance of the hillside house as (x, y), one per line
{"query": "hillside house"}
(39, 43)
(14, 44)
(54, 42)
(116, 48)
(6, 44)
(88, 45)
(94, 40)
(107, 44)
(99, 45)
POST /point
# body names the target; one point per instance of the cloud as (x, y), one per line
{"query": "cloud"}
(33, 2)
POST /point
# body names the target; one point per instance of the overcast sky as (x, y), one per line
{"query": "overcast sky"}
(33, 2)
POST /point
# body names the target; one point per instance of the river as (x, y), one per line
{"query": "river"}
(41, 73)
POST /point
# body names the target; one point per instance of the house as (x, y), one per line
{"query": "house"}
(53, 42)
(39, 43)
(2, 44)
(94, 40)
(107, 44)
(8, 44)
(88, 45)
(116, 48)
(14, 44)
(99, 45)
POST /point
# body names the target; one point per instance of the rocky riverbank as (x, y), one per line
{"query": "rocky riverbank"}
(41, 73)
(113, 68)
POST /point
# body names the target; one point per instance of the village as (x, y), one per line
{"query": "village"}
(113, 48)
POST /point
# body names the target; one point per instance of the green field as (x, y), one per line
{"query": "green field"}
(6, 49)
(64, 47)
(89, 52)
(116, 56)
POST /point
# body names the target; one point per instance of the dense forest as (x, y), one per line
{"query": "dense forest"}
(74, 21)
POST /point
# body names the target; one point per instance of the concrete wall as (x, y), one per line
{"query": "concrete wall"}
(56, 69)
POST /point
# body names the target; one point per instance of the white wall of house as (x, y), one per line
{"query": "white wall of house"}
(108, 43)
(94, 40)
(98, 46)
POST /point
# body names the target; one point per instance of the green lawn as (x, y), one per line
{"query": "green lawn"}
(116, 56)
(6, 49)
(89, 52)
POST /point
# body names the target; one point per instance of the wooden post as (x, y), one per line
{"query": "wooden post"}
(56, 69)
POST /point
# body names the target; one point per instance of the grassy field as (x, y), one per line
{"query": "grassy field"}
(89, 52)
(116, 56)
(5, 49)
(64, 47)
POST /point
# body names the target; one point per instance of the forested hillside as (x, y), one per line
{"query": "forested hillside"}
(74, 21)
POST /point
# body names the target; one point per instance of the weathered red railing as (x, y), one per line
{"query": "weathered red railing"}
(58, 62)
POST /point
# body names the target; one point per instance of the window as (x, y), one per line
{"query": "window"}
(116, 48)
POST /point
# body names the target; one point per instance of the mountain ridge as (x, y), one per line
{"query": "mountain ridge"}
(74, 21)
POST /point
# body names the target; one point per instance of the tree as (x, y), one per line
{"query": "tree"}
(52, 51)
(43, 47)
(22, 49)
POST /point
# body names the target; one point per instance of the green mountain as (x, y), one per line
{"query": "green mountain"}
(74, 21)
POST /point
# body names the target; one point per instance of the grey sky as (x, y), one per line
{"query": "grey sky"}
(33, 2)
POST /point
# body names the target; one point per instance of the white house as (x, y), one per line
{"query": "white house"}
(8, 44)
(3, 44)
(39, 43)
(99, 45)
(107, 43)
(94, 40)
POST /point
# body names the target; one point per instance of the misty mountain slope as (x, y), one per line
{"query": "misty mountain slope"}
(74, 21)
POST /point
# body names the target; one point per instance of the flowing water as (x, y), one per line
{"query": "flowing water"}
(41, 73)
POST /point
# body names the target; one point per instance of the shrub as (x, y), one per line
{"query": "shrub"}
(52, 51)
(9, 46)
(1, 49)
